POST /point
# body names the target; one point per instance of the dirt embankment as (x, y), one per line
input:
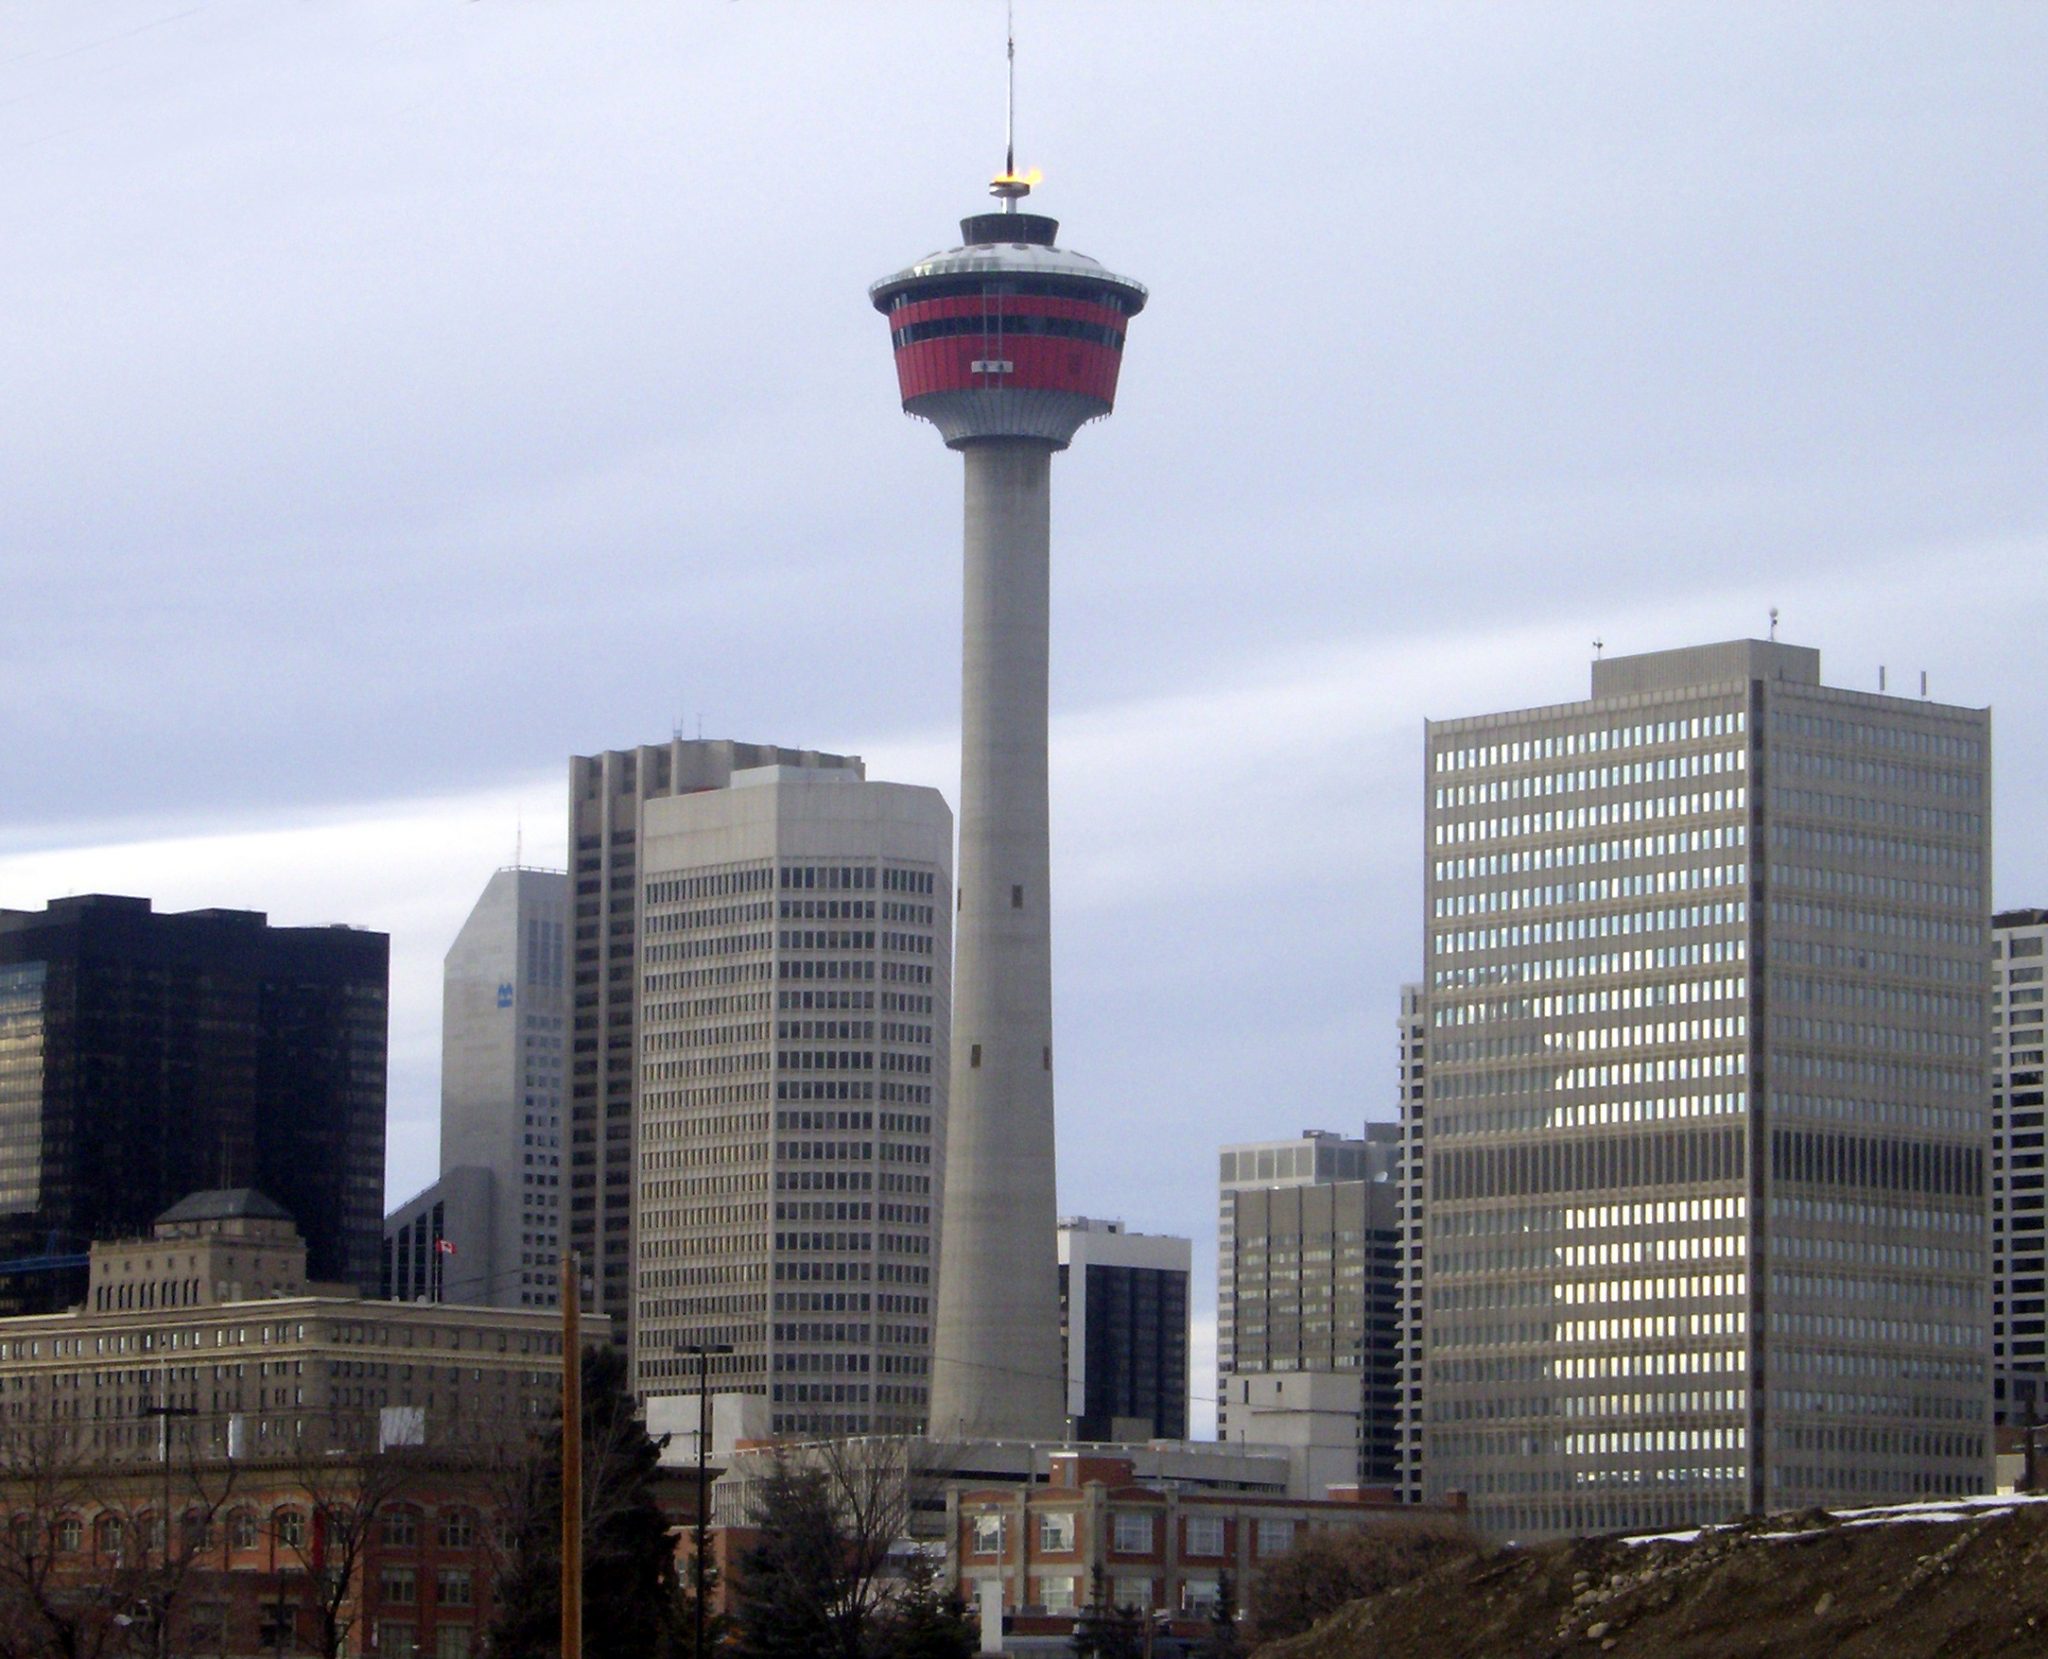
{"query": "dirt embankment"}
(1792, 1587)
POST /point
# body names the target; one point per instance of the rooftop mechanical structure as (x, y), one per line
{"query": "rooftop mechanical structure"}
(1008, 345)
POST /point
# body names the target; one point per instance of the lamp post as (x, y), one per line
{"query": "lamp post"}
(703, 1351)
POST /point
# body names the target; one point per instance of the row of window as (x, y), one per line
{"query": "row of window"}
(1592, 779)
(1593, 890)
(1595, 740)
(995, 325)
(1882, 774)
(1132, 1532)
(1555, 820)
(1564, 855)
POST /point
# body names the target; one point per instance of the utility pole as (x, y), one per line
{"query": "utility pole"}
(164, 1411)
(703, 1351)
(572, 1457)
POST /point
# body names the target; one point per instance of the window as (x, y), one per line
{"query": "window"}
(1131, 1592)
(1056, 1594)
(397, 1639)
(106, 1536)
(70, 1534)
(242, 1530)
(451, 1641)
(401, 1527)
(1056, 1532)
(400, 1586)
(207, 1625)
(1275, 1537)
(1199, 1594)
(452, 1587)
(988, 1534)
(458, 1529)
(1204, 1535)
(289, 1526)
(1133, 1534)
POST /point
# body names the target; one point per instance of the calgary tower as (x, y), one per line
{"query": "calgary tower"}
(1008, 345)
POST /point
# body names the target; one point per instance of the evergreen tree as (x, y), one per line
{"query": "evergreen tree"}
(632, 1604)
(1222, 1640)
(789, 1597)
(1105, 1632)
(924, 1621)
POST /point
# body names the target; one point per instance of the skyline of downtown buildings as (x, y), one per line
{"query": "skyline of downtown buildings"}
(1871, 866)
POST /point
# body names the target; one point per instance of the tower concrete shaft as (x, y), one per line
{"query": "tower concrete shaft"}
(996, 1348)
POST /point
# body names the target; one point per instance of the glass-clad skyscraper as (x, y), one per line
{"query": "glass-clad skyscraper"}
(1707, 1119)
(146, 1056)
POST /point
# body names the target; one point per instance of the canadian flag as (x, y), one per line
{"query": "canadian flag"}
(444, 1247)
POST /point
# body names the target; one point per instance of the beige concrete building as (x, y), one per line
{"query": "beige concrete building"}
(213, 1317)
(794, 956)
(607, 793)
(1308, 1300)
(1707, 1114)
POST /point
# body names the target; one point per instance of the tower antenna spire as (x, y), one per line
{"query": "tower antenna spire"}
(1009, 183)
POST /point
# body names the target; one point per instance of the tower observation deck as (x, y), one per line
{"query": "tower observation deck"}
(1008, 345)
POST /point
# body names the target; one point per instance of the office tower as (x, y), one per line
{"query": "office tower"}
(606, 795)
(1706, 1092)
(1008, 345)
(1308, 1298)
(793, 967)
(146, 1056)
(437, 1244)
(1124, 1330)
(504, 1057)
(1411, 1093)
(2019, 1234)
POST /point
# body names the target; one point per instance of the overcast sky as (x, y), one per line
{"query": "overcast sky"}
(398, 398)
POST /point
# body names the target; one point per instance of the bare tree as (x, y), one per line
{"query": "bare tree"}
(345, 1486)
(831, 1515)
(161, 1539)
(51, 1605)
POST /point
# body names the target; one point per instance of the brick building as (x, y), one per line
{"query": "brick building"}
(394, 1553)
(1161, 1547)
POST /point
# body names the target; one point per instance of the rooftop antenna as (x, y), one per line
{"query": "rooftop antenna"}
(518, 838)
(1599, 645)
(1009, 184)
(1774, 622)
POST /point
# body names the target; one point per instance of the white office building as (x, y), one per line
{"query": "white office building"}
(792, 973)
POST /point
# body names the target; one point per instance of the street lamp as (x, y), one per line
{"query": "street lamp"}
(703, 1351)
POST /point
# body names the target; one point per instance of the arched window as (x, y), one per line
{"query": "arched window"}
(70, 1535)
(401, 1525)
(242, 1530)
(109, 1533)
(288, 1526)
